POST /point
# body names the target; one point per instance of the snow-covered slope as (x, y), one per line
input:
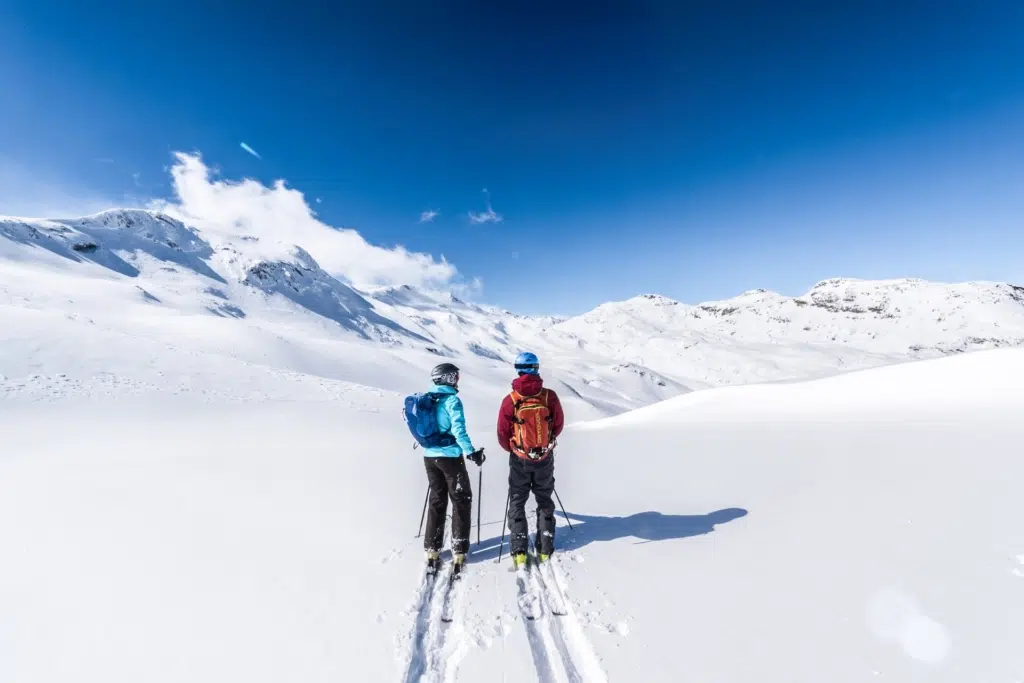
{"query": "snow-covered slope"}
(841, 324)
(132, 274)
(232, 521)
(617, 357)
(105, 238)
(857, 528)
(203, 475)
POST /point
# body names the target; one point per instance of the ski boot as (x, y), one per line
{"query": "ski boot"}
(543, 557)
(433, 562)
(519, 561)
(458, 563)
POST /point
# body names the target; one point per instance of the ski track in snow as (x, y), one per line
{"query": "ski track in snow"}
(435, 648)
(561, 651)
(576, 649)
(537, 634)
(559, 647)
(426, 638)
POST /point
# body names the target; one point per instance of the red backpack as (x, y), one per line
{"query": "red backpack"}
(532, 426)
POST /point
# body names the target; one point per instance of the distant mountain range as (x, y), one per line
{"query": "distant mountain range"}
(617, 356)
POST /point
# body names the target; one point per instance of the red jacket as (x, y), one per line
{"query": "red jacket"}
(527, 385)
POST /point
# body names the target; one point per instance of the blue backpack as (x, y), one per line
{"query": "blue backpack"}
(421, 418)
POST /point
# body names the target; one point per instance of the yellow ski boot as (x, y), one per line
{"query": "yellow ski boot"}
(458, 563)
(433, 562)
(519, 560)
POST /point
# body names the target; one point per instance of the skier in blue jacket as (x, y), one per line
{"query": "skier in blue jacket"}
(446, 472)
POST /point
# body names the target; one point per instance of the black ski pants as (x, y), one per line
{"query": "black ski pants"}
(448, 478)
(525, 476)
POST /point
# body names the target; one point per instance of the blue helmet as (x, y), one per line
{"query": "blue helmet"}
(527, 364)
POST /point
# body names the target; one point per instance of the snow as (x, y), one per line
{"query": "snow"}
(204, 475)
(872, 540)
(894, 617)
(839, 325)
(617, 357)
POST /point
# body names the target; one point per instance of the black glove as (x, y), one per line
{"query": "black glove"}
(477, 457)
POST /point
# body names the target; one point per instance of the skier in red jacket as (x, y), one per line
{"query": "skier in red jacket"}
(529, 422)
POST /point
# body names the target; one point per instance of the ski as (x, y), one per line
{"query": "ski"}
(538, 589)
(451, 590)
(551, 589)
(427, 586)
(528, 600)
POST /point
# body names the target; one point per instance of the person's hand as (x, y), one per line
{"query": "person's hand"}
(477, 457)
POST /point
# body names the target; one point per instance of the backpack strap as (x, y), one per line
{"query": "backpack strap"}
(517, 401)
(550, 418)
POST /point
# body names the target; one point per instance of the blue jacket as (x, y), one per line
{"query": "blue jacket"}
(451, 419)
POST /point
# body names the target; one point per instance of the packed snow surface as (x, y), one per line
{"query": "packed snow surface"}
(204, 476)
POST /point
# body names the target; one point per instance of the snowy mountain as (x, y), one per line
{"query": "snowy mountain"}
(618, 356)
(841, 324)
(203, 475)
(131, 274)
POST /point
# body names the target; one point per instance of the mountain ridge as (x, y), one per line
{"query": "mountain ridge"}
(618, 355)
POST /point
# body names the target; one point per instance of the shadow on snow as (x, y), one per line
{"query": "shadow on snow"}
(645, 527)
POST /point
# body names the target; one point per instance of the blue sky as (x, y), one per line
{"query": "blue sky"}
(696, 150)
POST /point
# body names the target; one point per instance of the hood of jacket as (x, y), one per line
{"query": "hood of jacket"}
(528, 385)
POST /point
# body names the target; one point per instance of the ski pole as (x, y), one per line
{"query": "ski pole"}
(563, 509)
(501, 545)
(424, 515)
(479, 502)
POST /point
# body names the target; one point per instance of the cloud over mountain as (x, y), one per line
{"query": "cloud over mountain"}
(279, 217)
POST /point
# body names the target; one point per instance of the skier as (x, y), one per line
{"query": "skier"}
(529, 422)
(446, 470)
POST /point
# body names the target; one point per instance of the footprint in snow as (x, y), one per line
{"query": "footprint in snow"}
(391, 555)
(501, 628)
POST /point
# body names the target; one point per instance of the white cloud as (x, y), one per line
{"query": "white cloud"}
(429, 215)
(279, 215)
(250, 150)
(103, 160)
(488, 216)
